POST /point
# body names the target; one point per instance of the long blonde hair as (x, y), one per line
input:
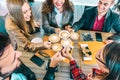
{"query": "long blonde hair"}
(15, 11)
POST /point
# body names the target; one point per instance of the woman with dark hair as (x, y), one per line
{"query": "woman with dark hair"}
(21, 27)
(56, 15)
(108, 59)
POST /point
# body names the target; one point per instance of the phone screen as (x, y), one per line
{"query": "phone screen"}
(98, 37)
(37, 60)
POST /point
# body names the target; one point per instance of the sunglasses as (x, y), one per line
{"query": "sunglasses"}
(98, 57)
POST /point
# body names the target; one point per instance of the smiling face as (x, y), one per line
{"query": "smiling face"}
(104, 5)
(26, 11)
(59, 4)
(9, 59)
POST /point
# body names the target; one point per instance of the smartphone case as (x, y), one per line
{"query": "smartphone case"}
(37, 60)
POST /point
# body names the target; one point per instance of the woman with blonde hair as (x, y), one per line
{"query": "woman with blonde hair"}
(21, 27)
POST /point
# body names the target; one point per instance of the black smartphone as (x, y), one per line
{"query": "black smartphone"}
(37, 60)
(98, 37)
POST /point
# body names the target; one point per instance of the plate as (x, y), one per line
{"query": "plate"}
(74, 36)
(54, 38)
(56, 47)
(64, 34)
(66, 43)
(37, 40)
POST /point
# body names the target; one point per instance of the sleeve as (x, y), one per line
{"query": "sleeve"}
(50, 74)
(45, 22)
(17, 35)
(76, 72)
(2, 25)
(116, 25)
(79, 24)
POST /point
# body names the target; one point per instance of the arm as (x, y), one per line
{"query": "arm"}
(50, 74)
(2, 25)
(45, 22)
(77, 25)
(116, 25)
(76, 72)
(18, 35)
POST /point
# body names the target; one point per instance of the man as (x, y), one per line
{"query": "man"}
(100, 18)
(11, 67)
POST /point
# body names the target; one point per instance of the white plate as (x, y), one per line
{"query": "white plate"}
(37, 40)
(54, 38)
(64, 34)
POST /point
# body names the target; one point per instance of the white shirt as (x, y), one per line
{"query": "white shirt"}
(58, 17)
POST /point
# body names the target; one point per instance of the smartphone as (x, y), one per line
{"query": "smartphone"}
(37, 60)
(98, 37)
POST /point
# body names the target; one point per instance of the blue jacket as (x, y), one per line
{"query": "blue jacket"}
(112, 20)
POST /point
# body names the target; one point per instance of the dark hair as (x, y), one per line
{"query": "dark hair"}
(4, 41)
(111, 56)
(50, 6)
(115, 37)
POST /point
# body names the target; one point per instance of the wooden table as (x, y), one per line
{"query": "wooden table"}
(64, 69)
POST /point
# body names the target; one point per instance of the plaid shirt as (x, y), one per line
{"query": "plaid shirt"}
(78, 74)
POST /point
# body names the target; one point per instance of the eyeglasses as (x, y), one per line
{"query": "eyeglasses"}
(98, 57)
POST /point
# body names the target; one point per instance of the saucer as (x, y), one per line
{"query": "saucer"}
(64, 34)
(74, 36)
(37, 40)
(56, 47)
(66, 43)
(54, 38)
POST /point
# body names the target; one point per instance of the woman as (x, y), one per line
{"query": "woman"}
(21, 27)
(56, 15)
(108, 59)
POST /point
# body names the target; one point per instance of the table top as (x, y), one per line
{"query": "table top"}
(94, 46)
(64, 68)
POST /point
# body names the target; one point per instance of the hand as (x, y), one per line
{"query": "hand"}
(65, 53)
(37, 24)
(68, 28)
(57, 30)
(57, 58)
(90, 76)
(107, 41)
(47, 45)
